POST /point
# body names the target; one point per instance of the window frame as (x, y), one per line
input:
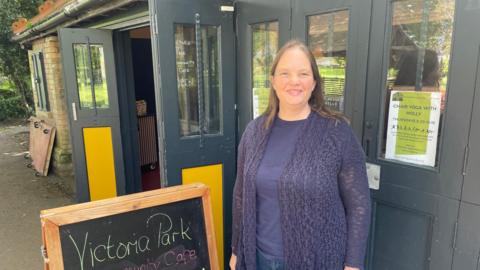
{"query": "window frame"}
(387, 43)
(251, 26)
(39, 81)
(342, 108)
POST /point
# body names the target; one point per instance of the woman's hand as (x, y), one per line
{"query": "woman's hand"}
(348, 268)
(233, 262)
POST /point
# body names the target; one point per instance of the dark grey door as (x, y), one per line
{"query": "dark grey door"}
(334, 30)
(194, 47)
(262, 28)
(467, 244)
(337, 33)
(92, 102)
(418, 103)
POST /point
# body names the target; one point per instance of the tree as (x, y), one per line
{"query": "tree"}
(14, 59)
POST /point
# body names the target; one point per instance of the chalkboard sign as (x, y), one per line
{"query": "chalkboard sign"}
(171, 228)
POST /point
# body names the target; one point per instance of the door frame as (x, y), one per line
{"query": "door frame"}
(203, 149)
(126, 96)
(254, 12)
(128, 119)
(162, 163)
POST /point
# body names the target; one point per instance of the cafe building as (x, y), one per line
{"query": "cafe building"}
(150, 94)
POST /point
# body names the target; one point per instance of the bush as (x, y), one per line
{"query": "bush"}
(7, 93)
(12, 107)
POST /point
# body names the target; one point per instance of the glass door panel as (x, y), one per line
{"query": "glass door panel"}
(337, 32)
(187, 80)
(91, 76)
(416, 84)
(264, 47)
(327, 38)
(262, 27)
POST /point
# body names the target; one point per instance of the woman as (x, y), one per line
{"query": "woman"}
(301, 198)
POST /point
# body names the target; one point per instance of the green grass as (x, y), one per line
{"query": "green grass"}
(332, 72)
(86, 99)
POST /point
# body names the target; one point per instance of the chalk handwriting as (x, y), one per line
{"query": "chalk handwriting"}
(164, 235)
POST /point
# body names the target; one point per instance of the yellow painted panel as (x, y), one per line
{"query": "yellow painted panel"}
(100, 162)
(212, 176)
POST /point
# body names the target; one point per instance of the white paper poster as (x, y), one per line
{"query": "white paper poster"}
(412, 128)
(255, 107)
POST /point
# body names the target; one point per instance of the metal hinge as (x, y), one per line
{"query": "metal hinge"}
(164, 142)
(454, 240)
(465, 160)
(163, 181)
(478, 260)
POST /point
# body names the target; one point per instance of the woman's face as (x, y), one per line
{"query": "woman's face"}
(293, 79)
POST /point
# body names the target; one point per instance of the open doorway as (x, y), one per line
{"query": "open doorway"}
(146, 110)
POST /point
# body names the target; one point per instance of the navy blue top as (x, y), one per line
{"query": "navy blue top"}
(278, 152)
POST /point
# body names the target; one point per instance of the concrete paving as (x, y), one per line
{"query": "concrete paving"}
(22, 196)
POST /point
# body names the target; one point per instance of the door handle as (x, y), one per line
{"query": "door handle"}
(74, 111)
(200, 88)
(366, 147)
(368, 139)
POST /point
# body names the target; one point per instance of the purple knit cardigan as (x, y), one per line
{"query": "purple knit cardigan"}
(323, 195)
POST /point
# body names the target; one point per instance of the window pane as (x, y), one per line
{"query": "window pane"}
(417, 79)
(327, 38)
(211, 80)
(84, 72)
(83, 76)
(99, 76)
(265, 45)
(187, 81)
(39, 81)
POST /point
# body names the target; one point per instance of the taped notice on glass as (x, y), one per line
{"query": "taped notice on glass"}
(256, 111)
(260, 100)
(412, 129)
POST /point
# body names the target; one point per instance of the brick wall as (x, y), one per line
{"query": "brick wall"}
(58, 114)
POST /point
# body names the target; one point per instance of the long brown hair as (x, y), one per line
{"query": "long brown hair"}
(316, 101)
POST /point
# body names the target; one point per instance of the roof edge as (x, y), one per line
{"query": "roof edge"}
(70, 14)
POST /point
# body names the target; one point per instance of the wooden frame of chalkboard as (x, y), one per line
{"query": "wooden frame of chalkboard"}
(170, 228)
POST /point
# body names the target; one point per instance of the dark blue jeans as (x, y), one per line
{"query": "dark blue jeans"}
(263, 263)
